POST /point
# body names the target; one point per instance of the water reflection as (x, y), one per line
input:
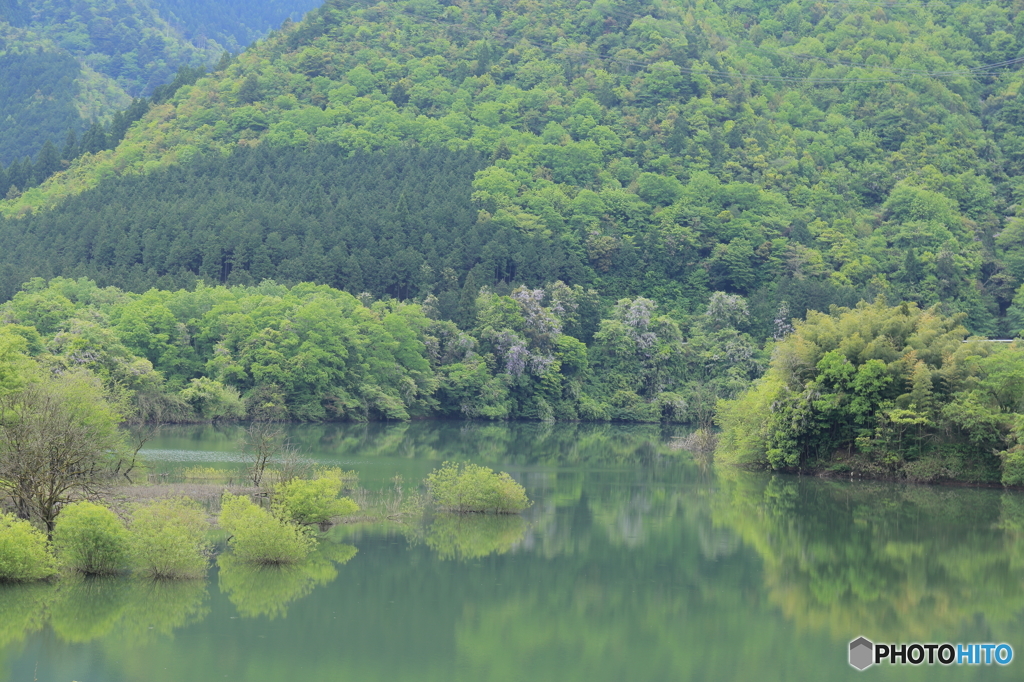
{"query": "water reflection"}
(907, 563)
(80, 610)
(632, 564)
(472, 536)
(25, 609)
(268, 590)
(437, 441)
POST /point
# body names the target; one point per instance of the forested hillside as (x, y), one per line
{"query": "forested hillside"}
(66, 64)
(803, 152)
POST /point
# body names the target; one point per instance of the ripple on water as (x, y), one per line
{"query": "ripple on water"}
(191, 455)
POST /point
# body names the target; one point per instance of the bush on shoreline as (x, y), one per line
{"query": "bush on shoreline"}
(89, 538)
(25, 554)
(313, 502)
(169, 540)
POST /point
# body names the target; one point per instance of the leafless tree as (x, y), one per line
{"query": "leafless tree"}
(59, 439)
(266, 442)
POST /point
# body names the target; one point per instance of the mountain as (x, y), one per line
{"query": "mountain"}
(799, 154)
(65, 64)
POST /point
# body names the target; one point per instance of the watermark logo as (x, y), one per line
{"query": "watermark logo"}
(864, 653)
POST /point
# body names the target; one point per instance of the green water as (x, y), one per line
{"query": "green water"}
(635, 563)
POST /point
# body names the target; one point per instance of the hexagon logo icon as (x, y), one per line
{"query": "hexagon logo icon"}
(861, 653)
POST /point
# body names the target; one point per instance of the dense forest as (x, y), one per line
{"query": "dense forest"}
(65, 65)
(620, 210)
(887, 391)
(806, 153)
(314, 353)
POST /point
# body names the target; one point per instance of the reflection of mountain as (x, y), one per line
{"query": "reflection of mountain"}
(268, 590)
(909, 563)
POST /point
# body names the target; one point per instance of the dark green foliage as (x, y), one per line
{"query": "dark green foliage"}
(64, 64)
(894, 390)
(313, 353)
(398, 224)
(37, 93)
(472, 160)
(629, 148)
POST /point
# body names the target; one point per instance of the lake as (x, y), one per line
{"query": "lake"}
(636, 562)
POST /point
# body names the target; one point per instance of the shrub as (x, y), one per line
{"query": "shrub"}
(306, 502)
(259, 537)
(473, 488)
(169, 539)
(1013, 466)
(24, 552)
(91, 539)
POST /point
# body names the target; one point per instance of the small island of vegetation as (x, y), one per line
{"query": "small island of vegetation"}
(275, 526)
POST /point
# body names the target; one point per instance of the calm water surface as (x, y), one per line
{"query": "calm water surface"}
(635, 563)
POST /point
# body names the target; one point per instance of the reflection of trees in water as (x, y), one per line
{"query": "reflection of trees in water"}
(23, 610)
(570, 504)
(88, 608)
(78, 609)
(471, 536)
(437, 440)
(623, 626)
(268, 590)
(134, 612)
(716, 542)
(904, 562)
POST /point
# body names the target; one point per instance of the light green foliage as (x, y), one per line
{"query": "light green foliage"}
(208, 474)
(24, 551)
(1013, 457)
(466, 488)
(26, 608)
(58, 438)
(307, 502)
(212, 400)
(169, 540)
(135, 612)
(259, 537)
(314, 353)
(90, 538)
(651, 161)
(15, 365)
